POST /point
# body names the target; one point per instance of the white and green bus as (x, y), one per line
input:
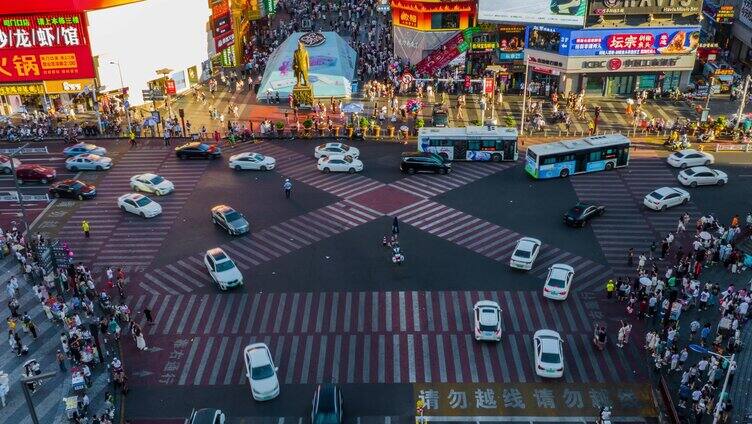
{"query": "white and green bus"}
(487, 143)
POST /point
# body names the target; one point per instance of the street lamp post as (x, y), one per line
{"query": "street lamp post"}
(524, 97)
(18, 189)
(27, 395)
(701, 349)
(706, 111)
(122, 87)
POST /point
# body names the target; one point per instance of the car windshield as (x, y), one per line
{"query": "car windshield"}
(656, 195)
(522, 253)
(344, 147)
(262, 372)
(89, 146)
(156, 180)
(550, 358)
(203, 147)
(225, 266)
(348, 159)
(555, 282)
(143, 201)
(76, 186)
(679, 155)
(93, 157)
(233, 216)
(689, 171)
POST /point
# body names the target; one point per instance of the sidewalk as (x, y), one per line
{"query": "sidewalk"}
(48, 399)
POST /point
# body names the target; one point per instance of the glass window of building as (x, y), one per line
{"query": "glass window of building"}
(445, 21)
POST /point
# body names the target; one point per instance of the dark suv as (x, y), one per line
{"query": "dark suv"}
(413, 162)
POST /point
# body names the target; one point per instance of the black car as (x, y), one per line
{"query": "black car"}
(73, 189)
(326, 407)
(581, 213)
(198, 150)
(412, 162)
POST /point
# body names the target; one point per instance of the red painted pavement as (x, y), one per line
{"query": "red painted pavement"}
(386, 199)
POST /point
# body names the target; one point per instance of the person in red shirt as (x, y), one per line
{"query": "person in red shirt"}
(216, 136)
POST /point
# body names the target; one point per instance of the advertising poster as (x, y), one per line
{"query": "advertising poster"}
(193, 75)
(745, 12)
(179, 78)
(669, 41)
(44, 47)
(551, 12)
(632, 7)
(511, 42)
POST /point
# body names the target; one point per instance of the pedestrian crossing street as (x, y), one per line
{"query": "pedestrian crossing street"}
(463, 173)
(627, 223)
(368, 337)
(495, 242)
(122, 239)
(189, 274)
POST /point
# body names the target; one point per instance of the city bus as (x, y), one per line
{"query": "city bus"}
(488, 143)
(589, 154)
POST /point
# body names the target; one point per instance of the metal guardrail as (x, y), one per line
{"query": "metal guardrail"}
(720, 147)
(24, 151)
(12, 196)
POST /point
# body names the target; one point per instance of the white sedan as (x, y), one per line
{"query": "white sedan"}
(702, 175)
(339, 163)
(88, 162)
(558, 281)
(688, 158)
(487, 316)
(666, 197)
(139, 204)
(525, 253)
(335, 149)
(261, 372)
(152, 183)
(549, 354)
(251, 160)
(222, 269)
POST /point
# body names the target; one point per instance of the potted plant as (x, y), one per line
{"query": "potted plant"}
(307, 124)
(280, 126)
(420, 123)
(509, 121)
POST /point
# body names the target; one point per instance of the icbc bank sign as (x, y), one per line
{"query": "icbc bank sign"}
(617, 64)
(44, 47)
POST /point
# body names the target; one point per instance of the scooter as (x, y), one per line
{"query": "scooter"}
(397, 256)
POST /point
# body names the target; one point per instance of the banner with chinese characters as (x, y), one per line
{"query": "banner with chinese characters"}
(44, 6)
(21, 89)
(637, 41)
(644, 7)
(535, 400)
(44, 47)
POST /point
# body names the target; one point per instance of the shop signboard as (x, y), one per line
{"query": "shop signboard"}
(170, 87)
(270, 7)
(644, 7)
(550, 12)
(179, 79)
(193, 75)
(46, 6)
(224, 41)
(614, 42)
(511, 42)
(38, 47)
(630, 64)
(68, 86)
(21, 89)
(452, 48)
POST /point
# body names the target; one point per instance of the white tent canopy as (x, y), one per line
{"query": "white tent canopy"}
(331, 70)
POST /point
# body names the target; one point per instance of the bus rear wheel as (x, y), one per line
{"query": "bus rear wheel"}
(609, 166)
(564, 173)
(496, 157)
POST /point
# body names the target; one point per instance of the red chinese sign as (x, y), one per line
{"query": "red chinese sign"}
(441, 56)
(170, 87)
(44, 47)
(635, 41)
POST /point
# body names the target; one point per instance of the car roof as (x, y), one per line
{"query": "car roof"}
(698, 169)
(417, 155)
(334, 144)
(663, 191)
(30, 166)
(258, 353)
(562, 267)
(338, 157)
(549, 340)
(222, 208)
(489, 315)
(687, 151)
(527, 242)
(217, 252)
(147, 175)
(133, 196)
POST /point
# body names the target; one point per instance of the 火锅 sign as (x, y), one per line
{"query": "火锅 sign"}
(644, 7)
(44, 47)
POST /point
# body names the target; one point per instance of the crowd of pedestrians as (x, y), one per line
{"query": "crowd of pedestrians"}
(89, 321)
(680, 306)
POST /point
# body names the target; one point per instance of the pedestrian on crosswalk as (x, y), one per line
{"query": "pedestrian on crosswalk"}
(610, 288)
(85, 227)
(395, 226)
(287, 186)
(147, 314)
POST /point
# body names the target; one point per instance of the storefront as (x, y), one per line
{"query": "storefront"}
(45, 61)
(612, 62)
(422, 26)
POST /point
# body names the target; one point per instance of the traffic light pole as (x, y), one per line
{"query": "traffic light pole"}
(27, 395)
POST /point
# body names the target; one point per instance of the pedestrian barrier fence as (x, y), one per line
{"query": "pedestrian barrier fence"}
(746, 147)
(12, 196)
(24, 151)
